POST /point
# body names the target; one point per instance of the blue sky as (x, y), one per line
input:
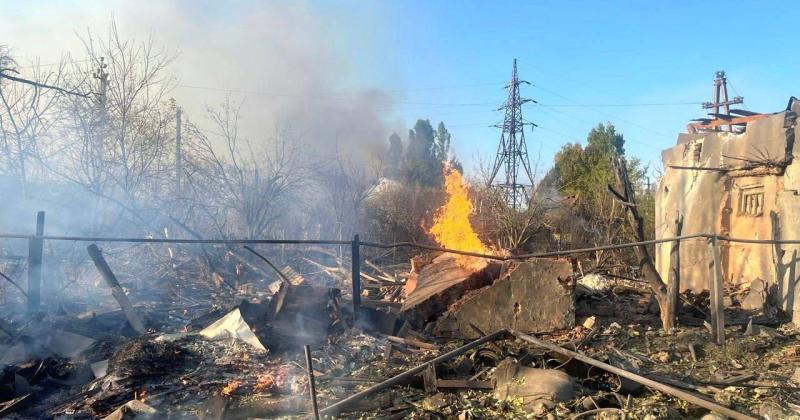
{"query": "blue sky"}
(448, 60)
(588, 53)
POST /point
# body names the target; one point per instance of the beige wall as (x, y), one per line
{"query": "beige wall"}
(755, 207)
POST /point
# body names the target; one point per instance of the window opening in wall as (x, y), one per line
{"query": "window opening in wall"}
(697, 151)
(751, 200)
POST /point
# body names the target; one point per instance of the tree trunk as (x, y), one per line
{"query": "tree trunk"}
(625, 194)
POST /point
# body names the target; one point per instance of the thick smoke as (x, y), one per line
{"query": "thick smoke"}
(287, 61)
(289, 64)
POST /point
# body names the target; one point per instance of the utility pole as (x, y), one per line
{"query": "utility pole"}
(178, 157)
(719, 98)
(102, 77)
(512, 152)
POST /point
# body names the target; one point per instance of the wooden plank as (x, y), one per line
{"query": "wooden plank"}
(674, 276)
(412, 342)
(695, 127)
(717, 308)
(436, 277)
(116, 290)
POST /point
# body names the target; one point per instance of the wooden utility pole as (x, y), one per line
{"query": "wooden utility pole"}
(719, 99)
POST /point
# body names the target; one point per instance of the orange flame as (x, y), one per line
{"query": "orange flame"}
(231, 387)
(451, 227)
(264, 383)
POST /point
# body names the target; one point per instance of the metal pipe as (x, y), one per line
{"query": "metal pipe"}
(339, 406)
(311, 386)
(686, 396)
(269, 263)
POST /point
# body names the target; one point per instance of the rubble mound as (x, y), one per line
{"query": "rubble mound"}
(145, 356)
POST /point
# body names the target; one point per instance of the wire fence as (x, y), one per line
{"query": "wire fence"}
(35, 254)
(368, 244)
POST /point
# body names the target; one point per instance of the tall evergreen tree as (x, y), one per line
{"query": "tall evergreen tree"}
(421, 165)
(441, 146)
(394, 156)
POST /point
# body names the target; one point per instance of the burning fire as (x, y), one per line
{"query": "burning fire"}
(451, 227)
(231, 387)
(264, 383)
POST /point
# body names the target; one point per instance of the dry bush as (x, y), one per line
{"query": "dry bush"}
(402, 213)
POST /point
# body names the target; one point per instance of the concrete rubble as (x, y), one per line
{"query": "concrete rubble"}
(531, 296)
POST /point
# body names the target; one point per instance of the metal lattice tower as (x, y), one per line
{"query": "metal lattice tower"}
(512, 153)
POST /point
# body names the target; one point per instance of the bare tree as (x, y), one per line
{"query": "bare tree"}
(244, 188)
(509, 228)
(343, 186)
(27, 113)
(119, 145)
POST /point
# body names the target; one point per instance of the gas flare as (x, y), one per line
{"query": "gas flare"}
(451, 226)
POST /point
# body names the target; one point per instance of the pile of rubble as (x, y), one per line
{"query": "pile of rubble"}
(436, 339)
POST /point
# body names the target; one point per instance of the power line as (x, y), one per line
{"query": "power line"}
(342, 98)
(632, 105)
(445, 87)
(600, 112)
(591, 107)
(54, 64)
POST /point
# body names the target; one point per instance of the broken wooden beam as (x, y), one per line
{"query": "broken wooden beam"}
(717, 308)
(35, 252)
(674, 276)
(412, 342)
(686, 396)
(116, 290)
(341, 405)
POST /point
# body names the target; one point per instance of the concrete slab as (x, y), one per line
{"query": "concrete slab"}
(529, 297)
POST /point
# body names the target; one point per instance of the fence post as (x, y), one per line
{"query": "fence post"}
(717, 307)
(670, 319)
(35, 244)
(355, 256)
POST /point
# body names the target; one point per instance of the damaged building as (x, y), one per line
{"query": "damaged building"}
(736, 176)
